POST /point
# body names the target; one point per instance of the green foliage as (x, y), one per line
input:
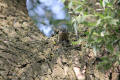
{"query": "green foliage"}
(108, 61)
(103, 30)
(105, 64)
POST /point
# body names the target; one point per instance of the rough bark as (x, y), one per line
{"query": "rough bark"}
(26, 54)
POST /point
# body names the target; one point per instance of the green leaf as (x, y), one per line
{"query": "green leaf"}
(114, 21)
(77, 42)
(70, 5)
(81, 18)
(109, 47)
(63, 1)
(98, 22)
(104, 3)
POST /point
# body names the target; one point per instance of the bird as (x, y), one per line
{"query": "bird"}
(48, 15)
